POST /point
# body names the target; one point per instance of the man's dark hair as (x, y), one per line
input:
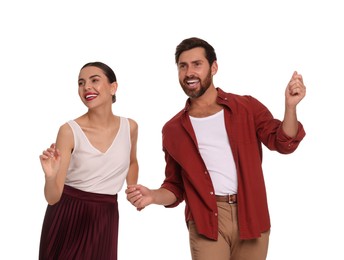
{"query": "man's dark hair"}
(195, 42)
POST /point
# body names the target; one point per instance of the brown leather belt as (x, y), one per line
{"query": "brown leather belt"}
(231, 199)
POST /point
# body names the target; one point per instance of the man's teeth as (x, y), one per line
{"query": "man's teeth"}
(192, 81)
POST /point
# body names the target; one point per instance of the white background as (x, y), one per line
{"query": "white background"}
(258, 43)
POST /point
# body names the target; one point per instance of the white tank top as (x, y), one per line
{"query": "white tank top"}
(214, 147)
(94, 171)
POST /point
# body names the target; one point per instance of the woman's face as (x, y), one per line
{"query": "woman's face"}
(94, 87)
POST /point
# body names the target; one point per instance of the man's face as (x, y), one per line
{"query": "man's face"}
(194, 72)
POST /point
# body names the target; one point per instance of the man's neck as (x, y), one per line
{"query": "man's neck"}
(206, 104)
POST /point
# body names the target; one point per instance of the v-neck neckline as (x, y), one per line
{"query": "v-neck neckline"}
(92, 146)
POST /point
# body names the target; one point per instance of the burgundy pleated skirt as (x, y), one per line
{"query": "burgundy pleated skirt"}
(81, 225)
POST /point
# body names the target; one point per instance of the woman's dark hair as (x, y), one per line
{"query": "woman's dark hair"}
(195, 42)
(109, 73)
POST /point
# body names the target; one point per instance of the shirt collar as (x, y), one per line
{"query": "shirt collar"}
(222, 98)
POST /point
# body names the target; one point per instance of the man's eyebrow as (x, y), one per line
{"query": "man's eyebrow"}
(194, 61)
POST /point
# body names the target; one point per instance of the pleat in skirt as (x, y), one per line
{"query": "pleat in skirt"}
(82, 225)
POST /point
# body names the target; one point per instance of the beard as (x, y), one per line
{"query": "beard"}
(195, 93)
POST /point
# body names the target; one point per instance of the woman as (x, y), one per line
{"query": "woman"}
(93, 156)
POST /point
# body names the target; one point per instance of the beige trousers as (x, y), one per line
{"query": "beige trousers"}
(228, 246)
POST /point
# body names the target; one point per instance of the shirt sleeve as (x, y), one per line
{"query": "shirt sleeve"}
(286, 144)
(270, 132)
(173, 179)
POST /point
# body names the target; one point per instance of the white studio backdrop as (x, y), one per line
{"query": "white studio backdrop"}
(258, 43)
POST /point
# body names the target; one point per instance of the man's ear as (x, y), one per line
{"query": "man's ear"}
(214, 68)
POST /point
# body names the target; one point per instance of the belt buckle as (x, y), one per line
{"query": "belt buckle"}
(231, 199)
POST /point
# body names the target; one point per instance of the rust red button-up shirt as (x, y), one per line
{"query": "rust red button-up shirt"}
(249, 124)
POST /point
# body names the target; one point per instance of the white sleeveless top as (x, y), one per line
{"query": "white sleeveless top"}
(94, 171)
(214, 147)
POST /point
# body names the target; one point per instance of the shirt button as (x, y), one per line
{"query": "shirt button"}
(211, 193)
(205, 172)
(215, 214)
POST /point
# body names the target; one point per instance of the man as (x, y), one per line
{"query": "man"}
(213, 153)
